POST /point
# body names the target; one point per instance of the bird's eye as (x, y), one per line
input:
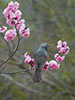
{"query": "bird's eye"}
(46, 48)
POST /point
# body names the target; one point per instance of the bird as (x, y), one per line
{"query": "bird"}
(40, 57)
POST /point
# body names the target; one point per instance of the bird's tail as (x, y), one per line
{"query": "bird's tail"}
(37, 76)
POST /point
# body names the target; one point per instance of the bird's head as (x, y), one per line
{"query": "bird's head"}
(45, 46)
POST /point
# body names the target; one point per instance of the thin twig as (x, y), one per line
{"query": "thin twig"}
(63, 93)
(2, 68)
(13, 44)
(8, 46)
(16, 72)
(22, 86)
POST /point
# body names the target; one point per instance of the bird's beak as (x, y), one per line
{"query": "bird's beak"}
(49, 45)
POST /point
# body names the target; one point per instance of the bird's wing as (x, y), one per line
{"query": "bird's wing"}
(40, 56)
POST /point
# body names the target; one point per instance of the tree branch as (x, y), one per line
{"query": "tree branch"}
(14, 51)
(16, 72)
(22, 85)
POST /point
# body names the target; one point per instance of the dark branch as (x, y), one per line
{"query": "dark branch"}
(13, 44)
(14, 51)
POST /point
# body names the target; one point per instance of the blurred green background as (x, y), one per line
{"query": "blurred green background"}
(49, 21)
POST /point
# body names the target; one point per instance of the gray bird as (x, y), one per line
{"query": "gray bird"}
(40, 58)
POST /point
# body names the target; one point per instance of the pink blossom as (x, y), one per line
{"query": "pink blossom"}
(12, 13)
(25, 33)
(29, 60)
(67, 50)
(10, 35)
(62, 47)
(26, 54)
(13, 18)
(32, 63)
(3, 29)
(7, 12)
(45, 66)
(13, 5)
(17, 15)
(11, 22)
(59, 58)
(63, 50)
(64, 44)
(61, 44)
(22, 28)
(19, 24)
(53, 65)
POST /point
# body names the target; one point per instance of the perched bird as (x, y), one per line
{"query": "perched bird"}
(40, 57)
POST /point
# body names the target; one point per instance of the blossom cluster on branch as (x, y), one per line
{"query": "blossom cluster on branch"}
(29, 60)
(18, 27)
(13, 19)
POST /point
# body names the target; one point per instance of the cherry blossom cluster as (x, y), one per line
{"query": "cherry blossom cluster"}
(52, 64)
(13, 19)
(29, 60)
(63, 49)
